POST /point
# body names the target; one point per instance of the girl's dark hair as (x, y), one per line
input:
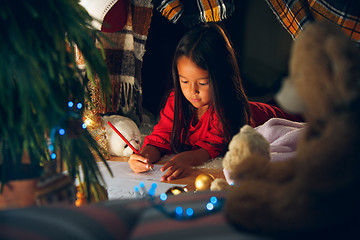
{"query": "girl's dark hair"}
(209, 48)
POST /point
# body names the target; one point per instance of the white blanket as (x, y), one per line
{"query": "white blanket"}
(283, 136)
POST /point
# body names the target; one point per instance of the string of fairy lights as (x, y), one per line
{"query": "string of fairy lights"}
(75, 112)
(179, 212)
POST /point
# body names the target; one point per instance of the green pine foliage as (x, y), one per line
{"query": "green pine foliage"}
(38, 77)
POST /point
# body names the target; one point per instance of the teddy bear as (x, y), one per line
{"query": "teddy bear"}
(128, 128)
(247, 142)
(275, 140)
(316, 192)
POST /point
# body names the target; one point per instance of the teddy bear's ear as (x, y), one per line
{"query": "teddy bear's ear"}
(324, 68)
(344, 58)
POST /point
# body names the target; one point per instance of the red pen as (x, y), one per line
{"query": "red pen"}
(125, 140)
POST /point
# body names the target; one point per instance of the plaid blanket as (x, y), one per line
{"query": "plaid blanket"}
(193, 12)
(124, 51)
(293, 14)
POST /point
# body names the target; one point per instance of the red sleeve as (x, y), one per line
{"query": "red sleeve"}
(160, 136)
(262, 112)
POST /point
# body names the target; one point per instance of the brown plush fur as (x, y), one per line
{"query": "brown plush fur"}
(318, 189)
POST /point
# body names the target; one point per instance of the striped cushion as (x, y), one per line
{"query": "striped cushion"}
(122, 219)
(109, 220)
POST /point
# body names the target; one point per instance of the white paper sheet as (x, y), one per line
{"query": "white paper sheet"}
(124, 180)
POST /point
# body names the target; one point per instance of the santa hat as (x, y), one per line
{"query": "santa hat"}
(109, 15)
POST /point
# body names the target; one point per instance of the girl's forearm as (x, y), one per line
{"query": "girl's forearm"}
(197, 157)
(152, 153)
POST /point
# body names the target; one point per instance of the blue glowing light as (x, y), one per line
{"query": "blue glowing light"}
(163, 196)
(209, 206)
(83, 125)
(61, 131)
(189, 211)
(213, 200)
(136, 188)
(79, 105)
(179, 210)
(142, 184)
(51, 148)
(70, 104)
(154, 185)
(152, 191)
(53, 155)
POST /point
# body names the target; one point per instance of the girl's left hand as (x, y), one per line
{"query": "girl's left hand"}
(177, 168)
(181, 164)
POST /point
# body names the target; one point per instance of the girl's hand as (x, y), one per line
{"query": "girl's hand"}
(143, 162)
(177, 168)
(181, 164)
(139, 164)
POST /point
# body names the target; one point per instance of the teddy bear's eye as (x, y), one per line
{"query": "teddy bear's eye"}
(137, 141)
(125, 146)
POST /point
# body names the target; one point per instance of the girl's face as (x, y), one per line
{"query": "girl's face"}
(194, 83)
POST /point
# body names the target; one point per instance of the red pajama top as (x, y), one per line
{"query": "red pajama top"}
(206, 134)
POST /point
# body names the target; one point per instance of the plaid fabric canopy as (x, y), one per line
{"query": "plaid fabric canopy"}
(293, 14)
(193, 12)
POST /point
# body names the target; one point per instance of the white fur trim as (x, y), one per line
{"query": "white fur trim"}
(98, 10)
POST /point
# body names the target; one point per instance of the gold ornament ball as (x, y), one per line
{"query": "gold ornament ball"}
(203, 181)
(176, 190)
